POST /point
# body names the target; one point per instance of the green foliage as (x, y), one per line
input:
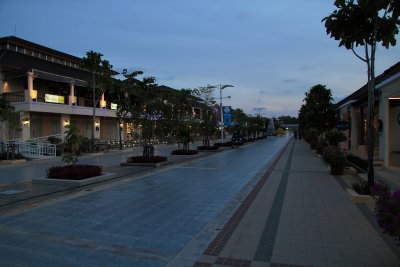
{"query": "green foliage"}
(334, 137)
(8, 114)
(364, 22)
(54, 140)
(69, 158)
(183, 136)
(72, 139)
(335, 158)
(317, 111)
(362, 188)
(311, 136)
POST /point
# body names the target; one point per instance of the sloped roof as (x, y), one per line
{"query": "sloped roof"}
(362, 94)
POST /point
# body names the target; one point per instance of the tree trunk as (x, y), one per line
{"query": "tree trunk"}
(120, 134)
(370, 115)
(94, 115)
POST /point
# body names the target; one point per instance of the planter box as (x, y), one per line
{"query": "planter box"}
(360, 199)
(52, 181)
(350, 170)
(15, 161)
(154, 165)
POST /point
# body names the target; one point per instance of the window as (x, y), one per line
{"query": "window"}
(20, 49)
(43, 56)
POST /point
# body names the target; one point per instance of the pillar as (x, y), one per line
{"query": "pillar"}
(97, 128)
(30, 94)
(103, 103)
(25, 125)
(65, 121)
(72, 97)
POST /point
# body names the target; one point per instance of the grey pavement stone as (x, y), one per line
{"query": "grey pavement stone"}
(145, 221)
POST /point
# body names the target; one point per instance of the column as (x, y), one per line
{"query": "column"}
(97, 128)
(103, 103)
(72, 97)
(30, 94)
(25, 125)
(65, 121)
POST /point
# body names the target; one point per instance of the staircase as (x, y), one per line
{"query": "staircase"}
(29, 149)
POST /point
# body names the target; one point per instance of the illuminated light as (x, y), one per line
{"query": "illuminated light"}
(25, 121)
(394, 98)
(58, 99)
(113, 106)
(33, 94)
(103, 103)
(66, 123)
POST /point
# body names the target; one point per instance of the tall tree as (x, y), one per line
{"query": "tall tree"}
(317, 111)
(9, 115)
(122, 92)
(365, 23)
(208, 116)
(101, 71)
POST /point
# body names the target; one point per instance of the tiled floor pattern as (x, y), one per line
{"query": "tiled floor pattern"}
(266, 244)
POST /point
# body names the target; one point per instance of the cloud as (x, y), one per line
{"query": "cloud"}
(290, 80)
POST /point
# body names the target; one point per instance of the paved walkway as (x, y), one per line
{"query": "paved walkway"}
(258, 205)
(141, 220)
(298, 215)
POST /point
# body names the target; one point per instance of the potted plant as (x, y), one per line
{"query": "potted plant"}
(333, 156)
(337, 163)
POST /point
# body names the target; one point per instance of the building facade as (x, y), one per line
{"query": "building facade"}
(49, 90)
(353, 110)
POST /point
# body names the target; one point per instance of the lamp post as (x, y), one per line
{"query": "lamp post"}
(221, 87)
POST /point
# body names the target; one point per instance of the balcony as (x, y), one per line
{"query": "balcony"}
(56, 104)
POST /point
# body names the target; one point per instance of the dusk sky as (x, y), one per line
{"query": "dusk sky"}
(271, 51)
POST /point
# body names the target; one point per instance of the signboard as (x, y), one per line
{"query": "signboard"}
(113, 106)
(342, 125)
(59, 99)
(227, 112)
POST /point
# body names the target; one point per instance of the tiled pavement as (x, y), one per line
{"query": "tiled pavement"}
(230, 209)
(299, 215)
(143, 221)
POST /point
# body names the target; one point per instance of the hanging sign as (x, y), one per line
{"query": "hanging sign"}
(59, 99)
(227, 112)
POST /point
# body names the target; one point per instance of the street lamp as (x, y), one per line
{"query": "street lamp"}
(221, 87)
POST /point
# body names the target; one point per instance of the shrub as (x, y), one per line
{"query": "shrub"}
(387, 209)
(7, 155)
(359, 162)
(207, 148)
(54, 140)
(334, 137)
(311, 136)
(335, 158)
(74, 172)
(362, 188)
(141, 159)
(226, 144)
(184, 152)
(321, 145)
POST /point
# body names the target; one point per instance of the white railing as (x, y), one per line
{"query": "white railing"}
(43, 139)
(29, 149)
